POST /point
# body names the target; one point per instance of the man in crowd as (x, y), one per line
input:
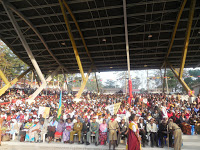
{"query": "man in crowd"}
(142, 130)
(94, 129)
(113, 127)
(152, 130)
(77, 130)
(173, 127)
(122, 131)
(85, 130)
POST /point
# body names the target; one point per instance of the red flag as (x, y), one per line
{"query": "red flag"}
(130, 91)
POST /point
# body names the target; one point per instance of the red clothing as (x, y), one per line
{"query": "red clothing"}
(133, 143)
(170, 114)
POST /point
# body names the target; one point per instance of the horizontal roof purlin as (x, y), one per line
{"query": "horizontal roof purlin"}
(101, 23)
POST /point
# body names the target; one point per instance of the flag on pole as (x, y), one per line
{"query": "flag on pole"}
(60, 104)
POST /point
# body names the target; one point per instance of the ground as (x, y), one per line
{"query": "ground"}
(189, 143)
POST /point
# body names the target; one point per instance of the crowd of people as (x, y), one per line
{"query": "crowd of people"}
(150, 118)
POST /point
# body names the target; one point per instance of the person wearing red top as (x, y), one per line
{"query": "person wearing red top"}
(170, 114)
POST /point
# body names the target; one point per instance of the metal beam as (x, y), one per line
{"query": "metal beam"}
(9, 84)
(24, 42)
(120, 58)
(79, 30)
(35, 30)
(104, 27)
(187, 37)
(94, 9)
(99, 45)
(84, 83)
(72, 40)
(178, 77)
(35, 94)
(175, 29)
(100, 36)
(2, 75)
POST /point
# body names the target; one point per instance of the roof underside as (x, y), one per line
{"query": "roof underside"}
(99, 20)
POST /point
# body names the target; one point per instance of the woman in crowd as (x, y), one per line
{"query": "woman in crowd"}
(52, 129)
(30, 134)
(68, 128)
(103, 133)
(60, 129)
(134, 140)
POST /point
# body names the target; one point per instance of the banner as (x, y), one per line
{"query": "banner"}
(113, 109)
(44, 111)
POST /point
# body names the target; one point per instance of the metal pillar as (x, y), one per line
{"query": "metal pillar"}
(84, 84)
(36, 78)
(180, 79)
(174, 31)
(72, 41)
(14, 81)
(10, 6)
(126, 38)
(127, 52)
(187, 36)
(161, 78)
(79, 30)
(3, 77)
(24, 43)
(147, 82)
(97, 83)
(35, 94)
(164, 83)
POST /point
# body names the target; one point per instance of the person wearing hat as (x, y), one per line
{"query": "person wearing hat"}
(113, 127)
(94, 129)
(173, 127)
(30, 134)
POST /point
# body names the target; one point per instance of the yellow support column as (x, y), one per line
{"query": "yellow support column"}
(178, 77)
(175, 29)
(5, 80)
(72, 41)
(9, 84)
(79, 30)
(84, 83)
(187, 37)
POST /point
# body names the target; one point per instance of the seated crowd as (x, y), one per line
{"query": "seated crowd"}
(89, 119)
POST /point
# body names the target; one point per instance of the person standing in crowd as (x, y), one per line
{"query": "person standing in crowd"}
(152, 130)
(52, 129)
(85, 130)
(77, 129)
(142, 130)
(173, 127)
(122, 131)
(68, 128)
(113, 127)
(103, 133)
(94, 129)
(134, 139)
(162, 132)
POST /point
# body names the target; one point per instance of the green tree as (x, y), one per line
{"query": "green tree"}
(109, 84)
(136, 83)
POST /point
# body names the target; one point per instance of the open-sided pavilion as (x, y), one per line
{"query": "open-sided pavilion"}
(72, 36)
